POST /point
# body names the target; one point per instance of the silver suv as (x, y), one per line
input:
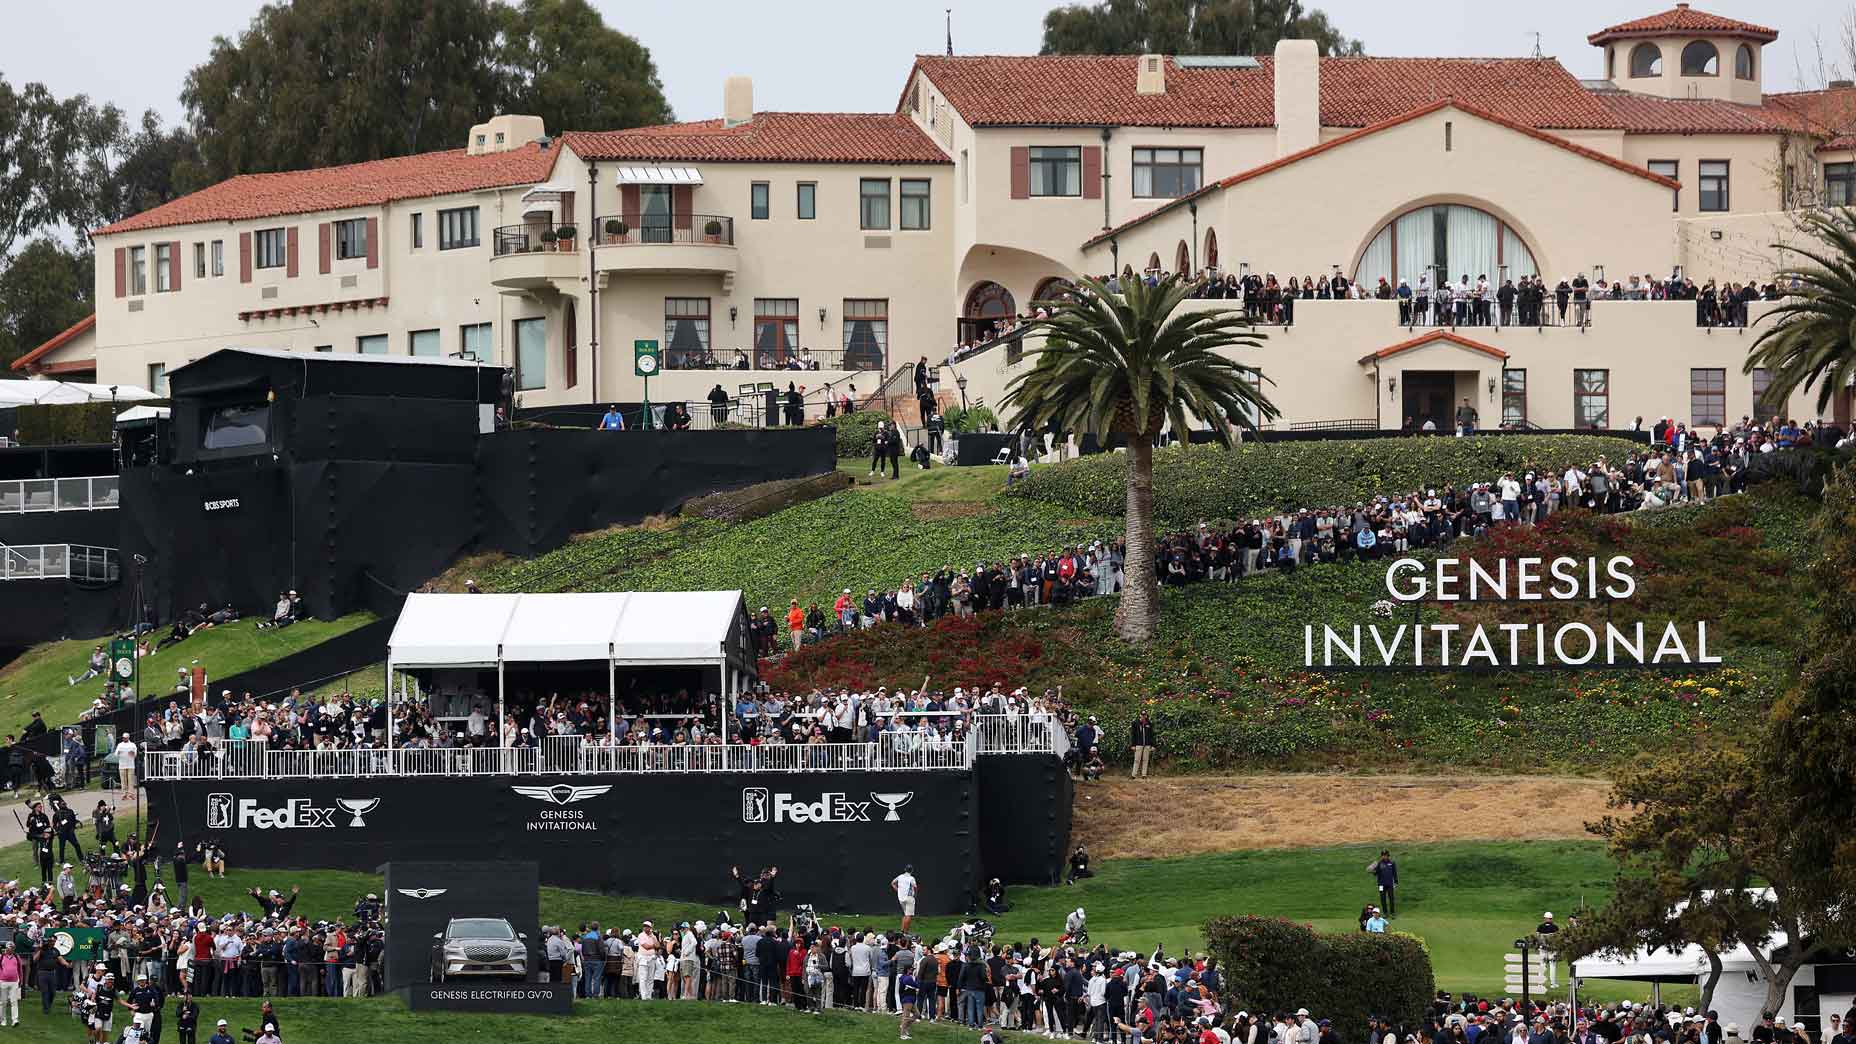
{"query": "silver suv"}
(479, 948)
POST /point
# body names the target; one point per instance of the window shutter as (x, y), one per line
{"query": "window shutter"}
(244, 257)
(373, 242)
(122, 272)
(1021, 172)
(322, 248)
(682, 198)
(1092, 172)
(290, 252)
(174, 265)
(628, 205)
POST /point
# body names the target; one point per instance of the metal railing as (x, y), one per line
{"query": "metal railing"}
(793, 360)
(649, 229)
(89, 493)
(533, 239)
(59, 562)
(580, 755)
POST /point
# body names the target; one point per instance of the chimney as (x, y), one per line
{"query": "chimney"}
(737, 101)
(1298, 96)
(1150, 76)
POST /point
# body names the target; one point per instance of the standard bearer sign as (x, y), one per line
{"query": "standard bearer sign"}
(645, 358)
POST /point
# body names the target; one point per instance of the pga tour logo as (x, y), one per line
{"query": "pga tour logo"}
(225, 812)
(760, 805)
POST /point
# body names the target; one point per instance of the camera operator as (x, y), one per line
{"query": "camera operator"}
(64, 823)
(366, 909)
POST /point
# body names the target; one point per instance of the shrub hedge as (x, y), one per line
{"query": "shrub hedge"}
(1272, 964)
(67, 424)
(1208, 482)
(856, 431)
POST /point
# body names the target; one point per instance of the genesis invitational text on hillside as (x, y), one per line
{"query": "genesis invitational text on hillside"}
(1447, 645)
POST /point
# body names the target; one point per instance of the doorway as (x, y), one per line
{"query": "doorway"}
(1427, 395)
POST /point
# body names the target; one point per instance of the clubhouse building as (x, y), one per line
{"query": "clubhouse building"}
(832, 249)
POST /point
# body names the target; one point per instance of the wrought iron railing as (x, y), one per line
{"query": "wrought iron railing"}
(648, 229)
(533, 239)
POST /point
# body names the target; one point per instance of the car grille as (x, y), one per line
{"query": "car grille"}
(486, 953)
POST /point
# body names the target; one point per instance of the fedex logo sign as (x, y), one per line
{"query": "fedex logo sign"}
(758, 805)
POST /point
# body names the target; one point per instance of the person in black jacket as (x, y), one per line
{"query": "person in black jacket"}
(877, 448)
(187, 1018)
(718, 406)
(892, 448)
(1141, 742)
(64, 821)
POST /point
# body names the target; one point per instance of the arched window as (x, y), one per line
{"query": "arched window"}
(1701, 59)
(989, 300)
(1153, 263)
(1447, 241)
(1050, 289)
(1646, 59)
(1743, 63)
(1211, 248)
(1182, 259)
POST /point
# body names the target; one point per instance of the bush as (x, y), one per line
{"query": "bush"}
(78, 423)
(1272, 964)
(961, 420)
(857, 431)
(1806, 469)
(1209, 482)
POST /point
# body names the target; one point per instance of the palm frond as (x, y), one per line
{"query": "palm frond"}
(1811, 342)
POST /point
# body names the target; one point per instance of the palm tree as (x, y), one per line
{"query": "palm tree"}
(1127, 364)
(1812, 340)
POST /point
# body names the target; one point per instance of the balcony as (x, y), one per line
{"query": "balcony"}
(535, 256)
(89, 493)
(683, 244)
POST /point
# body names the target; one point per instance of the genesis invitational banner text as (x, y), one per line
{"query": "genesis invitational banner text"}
(1507, 645)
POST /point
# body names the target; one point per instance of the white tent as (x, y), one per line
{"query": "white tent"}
(143, 413)
(64, 393)
(630, 629)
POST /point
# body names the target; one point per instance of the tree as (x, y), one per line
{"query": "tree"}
(321, 82)
(1812, 738)
(42, 144)
(561, 62)
(1810, 340)
(1130, 364)
(43, 290)
(1189, 27)
(144, 169)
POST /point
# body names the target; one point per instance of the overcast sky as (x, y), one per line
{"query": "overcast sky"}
(848, 55)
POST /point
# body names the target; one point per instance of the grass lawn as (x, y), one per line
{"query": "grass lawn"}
(38, 679)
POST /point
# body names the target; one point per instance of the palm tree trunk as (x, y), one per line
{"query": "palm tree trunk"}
(1139, 613)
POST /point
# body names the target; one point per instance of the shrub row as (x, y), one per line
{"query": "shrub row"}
(1193, 483)
(1272, 964)
(857, 431)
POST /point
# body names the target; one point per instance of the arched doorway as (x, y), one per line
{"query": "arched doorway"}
(988, 304)
(1182, 260)
(1153, 265)
(1211, 248)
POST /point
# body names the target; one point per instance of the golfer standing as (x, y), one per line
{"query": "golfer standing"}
(904, 886)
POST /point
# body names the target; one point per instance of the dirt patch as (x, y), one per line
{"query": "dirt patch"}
(929, 511)
(1123, 818)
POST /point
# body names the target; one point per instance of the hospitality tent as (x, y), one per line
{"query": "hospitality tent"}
(706, 629)
(64, 393)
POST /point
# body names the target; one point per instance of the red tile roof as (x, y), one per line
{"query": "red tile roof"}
(1644, 114)
(788, 137)
(1435, 335)
(1090, 90)
(24, 363)
(1333, 143)
(1682, 19)
(373, 183)
(1829, 114)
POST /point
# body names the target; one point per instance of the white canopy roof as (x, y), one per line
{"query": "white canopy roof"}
(551, 192)
(1686, 963)
(143, 413)
(659, 176)
(645, 627)
(62, 393)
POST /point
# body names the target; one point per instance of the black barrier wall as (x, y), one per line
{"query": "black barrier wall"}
(540, 487)
(423, 897)
(1025, 817)
(837, 837)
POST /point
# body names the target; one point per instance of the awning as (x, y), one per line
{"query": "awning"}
(441, 630)
(549, 193)
(659, 176)
(139, 414)
(480, 630)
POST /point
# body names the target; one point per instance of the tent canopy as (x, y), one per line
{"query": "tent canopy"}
(646, 627)
(64, 393)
